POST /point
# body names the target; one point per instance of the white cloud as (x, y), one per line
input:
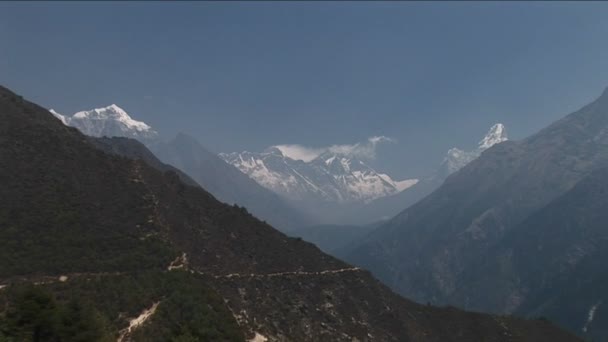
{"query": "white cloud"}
(361, 150)
(299, 152)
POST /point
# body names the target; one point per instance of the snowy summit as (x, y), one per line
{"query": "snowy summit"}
(108, 121)
(457, 158)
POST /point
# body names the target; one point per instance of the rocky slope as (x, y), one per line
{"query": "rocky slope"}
(432, 250)
(552, 264)
(70, 210)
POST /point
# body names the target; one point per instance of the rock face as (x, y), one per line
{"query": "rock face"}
(552, 264)
(70, 209)
(482, 214)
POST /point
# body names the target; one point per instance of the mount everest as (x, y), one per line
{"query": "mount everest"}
(331, 176)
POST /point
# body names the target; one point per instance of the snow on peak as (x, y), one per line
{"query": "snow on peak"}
(113, 112)
(110, 121)
(456, 158)
(495, 135)
(329, 176)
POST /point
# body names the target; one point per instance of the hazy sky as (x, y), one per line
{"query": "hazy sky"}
(249, 75)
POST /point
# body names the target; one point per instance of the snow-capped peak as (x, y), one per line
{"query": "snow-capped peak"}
(113, 112)
(495, 135)
(108, 121)
(457, 158)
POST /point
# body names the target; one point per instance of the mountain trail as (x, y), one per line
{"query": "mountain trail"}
(181, 262)
(290, 273)
(136, 322)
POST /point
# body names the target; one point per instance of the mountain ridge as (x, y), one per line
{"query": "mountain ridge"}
(431, 250)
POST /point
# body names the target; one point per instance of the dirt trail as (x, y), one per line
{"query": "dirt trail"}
(136, 322)
(289, 273)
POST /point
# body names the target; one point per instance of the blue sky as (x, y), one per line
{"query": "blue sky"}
(248, 75)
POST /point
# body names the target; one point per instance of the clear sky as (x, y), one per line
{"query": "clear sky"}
(248, 75)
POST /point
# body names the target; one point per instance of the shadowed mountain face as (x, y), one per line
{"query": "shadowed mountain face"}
(553, 263)
(72, 215)
(432, 250)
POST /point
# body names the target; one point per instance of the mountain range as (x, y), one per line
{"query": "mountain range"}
(185, 153)
(338, 187)
(335, 186)
(517, 230)
(330, 177)
(129, 252)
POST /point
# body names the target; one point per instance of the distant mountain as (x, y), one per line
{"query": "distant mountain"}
(329, 187)
(329, 177)
(387, 207)
(111, 121)
(93, 245)
(490, 212)
(456, 158)
(221, 179)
